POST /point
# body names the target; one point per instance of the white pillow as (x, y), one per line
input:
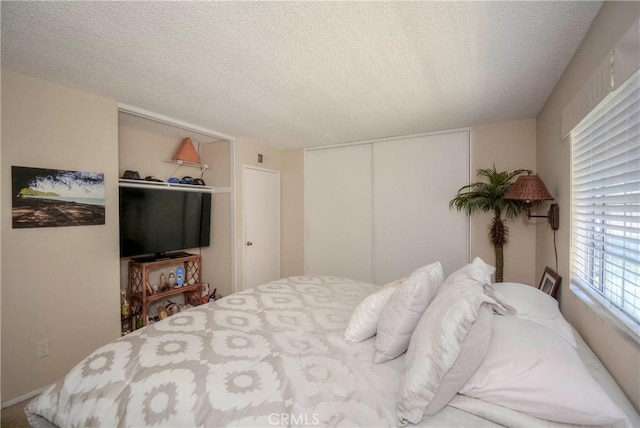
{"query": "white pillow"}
(364, 320)
(533, 371)
(447, 346)
(396, 283)
(477, 271)
(534, 305)
(403, 311)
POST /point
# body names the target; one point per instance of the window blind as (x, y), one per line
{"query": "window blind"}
(605, 216)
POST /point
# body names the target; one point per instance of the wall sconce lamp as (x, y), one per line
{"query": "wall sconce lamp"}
(530, 189)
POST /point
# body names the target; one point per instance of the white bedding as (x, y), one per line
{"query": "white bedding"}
(273, 356)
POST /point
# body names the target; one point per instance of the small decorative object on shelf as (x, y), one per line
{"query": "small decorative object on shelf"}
(171, 281)
(125, 313)
(205, 293)
(187, 152)
(215, 295)
(180, 276)
(163, 282)
(125, 304)
(171, 307)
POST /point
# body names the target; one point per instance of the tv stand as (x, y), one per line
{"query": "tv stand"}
(141, 293)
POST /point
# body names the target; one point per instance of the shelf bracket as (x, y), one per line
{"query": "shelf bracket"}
(179, 163)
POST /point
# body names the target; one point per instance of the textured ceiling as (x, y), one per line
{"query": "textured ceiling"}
(304, 73)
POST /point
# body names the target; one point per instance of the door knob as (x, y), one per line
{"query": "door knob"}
(249, 243)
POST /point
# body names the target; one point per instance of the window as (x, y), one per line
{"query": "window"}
(605, 212)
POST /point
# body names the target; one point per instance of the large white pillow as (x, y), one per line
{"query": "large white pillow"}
(364, 319)
(447, 346)
(534, 305)
(396, 283)
(403, 311)
(532, 370)
(477, 271)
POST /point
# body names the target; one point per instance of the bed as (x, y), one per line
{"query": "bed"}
(275, 355)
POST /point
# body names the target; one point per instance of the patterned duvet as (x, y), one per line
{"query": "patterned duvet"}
(270, 356)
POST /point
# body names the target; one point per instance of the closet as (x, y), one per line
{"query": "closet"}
(377, 210)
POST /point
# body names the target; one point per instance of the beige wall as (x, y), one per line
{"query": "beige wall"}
(219, 266)
(617, 351)
(508, 146)
(292, 184)
(59, 283)
(247, 151)
(1, 217)
(147, 151)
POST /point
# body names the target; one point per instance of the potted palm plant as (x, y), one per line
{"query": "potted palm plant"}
(488, 196)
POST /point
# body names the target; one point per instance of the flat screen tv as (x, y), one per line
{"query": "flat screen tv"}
(158, 221)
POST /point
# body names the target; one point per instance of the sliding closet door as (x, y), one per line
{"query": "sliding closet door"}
(414, 180)
(338, 207)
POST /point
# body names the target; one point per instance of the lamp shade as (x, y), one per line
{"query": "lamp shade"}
(528, 188)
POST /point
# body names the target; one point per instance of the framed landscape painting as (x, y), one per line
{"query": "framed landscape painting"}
(43, 197)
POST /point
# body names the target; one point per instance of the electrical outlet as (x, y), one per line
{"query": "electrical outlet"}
(42, 348)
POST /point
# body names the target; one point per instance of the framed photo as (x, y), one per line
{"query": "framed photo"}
(204, 290)
(550, 282)
(47, 197)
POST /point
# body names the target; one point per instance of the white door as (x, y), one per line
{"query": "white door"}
(339, 237)
(261, 213)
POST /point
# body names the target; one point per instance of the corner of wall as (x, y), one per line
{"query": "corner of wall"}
(292, 249)
(508, 146)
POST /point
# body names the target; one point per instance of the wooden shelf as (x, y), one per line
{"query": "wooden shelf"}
(155, 297)
(139, 296)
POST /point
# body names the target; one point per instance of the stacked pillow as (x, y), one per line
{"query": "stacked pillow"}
(393, 320)
(476, 272)
(449, 343)
(532, 366)
(531, 369)
(525, 361)
(538, 307)
(364, 320)
(402, 312)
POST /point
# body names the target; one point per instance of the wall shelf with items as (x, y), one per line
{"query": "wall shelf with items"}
(123, 182)
(178, 163)
(141, 288)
